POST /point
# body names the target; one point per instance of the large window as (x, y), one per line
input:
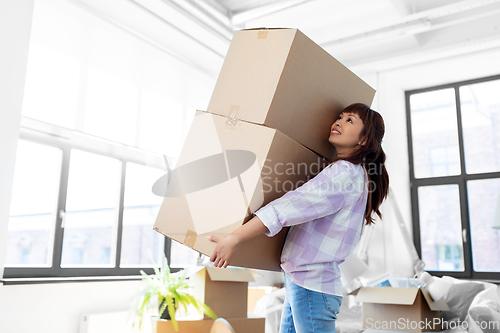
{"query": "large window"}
(81, 213)
(103, 112)
(454, 145)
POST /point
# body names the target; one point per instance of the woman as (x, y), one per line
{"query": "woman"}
(326, 216)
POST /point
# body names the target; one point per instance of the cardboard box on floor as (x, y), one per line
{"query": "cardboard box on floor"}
(224, 290)
(228, 169)
(282, 79)
(240, 325)
(409, 310)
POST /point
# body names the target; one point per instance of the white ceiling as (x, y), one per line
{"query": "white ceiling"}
(366, 35)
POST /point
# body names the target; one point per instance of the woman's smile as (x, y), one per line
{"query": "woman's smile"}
(335, 132)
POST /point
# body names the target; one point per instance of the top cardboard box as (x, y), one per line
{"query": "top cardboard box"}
(281, 79)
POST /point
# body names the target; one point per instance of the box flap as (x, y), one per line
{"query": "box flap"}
(256, 274)
(230, 274)
(354, 292)
(192, 270)
(387, 295)
(439, 305)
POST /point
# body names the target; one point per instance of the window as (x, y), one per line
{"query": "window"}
(102, 112)
(454, 150)
(31, 227)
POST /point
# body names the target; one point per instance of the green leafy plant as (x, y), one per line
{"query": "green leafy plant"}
(167, 291)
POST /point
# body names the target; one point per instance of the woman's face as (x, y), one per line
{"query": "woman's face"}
(345, 132)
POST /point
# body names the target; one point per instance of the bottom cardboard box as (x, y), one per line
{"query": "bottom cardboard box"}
(225, 174)
(409, 310)
(240, 325)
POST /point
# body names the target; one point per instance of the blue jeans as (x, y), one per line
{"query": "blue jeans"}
(307, 311)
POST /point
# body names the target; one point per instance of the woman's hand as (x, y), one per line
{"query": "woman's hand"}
(226, 245)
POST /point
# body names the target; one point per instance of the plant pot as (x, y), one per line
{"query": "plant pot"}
(166, 314)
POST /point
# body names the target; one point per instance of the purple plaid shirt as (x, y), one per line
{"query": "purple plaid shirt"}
(325, 216)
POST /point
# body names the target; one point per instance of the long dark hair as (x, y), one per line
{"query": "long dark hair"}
(371, 156)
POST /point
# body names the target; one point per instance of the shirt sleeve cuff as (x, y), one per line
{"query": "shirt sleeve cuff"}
(269, 217)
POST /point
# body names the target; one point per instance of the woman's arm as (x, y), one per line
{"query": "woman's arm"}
(226, 245)
(323, 195)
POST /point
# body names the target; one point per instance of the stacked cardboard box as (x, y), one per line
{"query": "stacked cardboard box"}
(212, 286)
(265, 133)
(282, 79)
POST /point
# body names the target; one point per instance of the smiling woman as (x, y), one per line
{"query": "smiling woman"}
(325, 216)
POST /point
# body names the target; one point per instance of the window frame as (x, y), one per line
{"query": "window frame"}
(460, 180)
(65, 139)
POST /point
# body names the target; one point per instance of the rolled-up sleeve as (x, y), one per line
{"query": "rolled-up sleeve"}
(323, 195)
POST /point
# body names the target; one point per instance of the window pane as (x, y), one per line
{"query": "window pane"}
(111, 107)
(480, 106)
(435, 135)
(140, 243)
(183, 256)
(91, 210)
(440, 228)
(33, 206)
(484, 200)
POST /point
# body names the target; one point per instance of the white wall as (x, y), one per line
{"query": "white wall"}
(15, 26)
(49, 307)
(390, 102)
(57, 308)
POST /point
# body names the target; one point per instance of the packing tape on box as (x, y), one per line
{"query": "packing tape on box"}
(232, 120)
(262, 34)
(190, 238)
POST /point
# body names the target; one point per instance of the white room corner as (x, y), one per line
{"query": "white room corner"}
(15, 29)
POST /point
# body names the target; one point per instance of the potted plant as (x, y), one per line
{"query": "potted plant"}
(166, 291)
